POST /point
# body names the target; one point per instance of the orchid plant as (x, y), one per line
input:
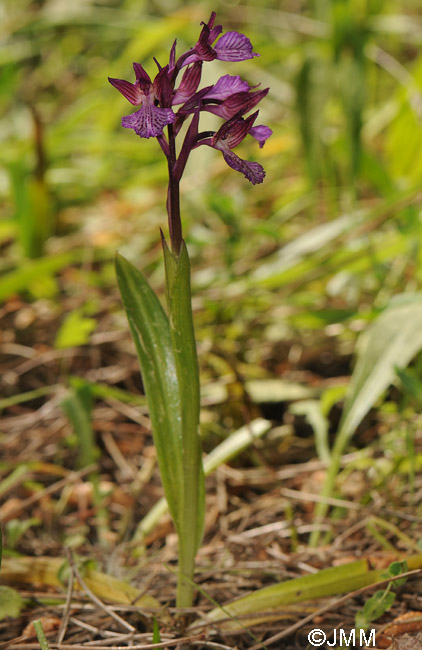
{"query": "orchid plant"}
(166, 343)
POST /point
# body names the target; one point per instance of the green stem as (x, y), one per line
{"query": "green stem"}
(185, 577)
(329, 483)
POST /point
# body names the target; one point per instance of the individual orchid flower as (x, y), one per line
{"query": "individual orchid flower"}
(150, 120)
(232, 46)
(240, 102)
(221, 90)
(225, 87)
(232, 133)
(228, 97)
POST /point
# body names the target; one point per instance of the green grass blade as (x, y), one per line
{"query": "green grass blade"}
(77, 407)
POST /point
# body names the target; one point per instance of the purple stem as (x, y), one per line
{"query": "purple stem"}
(173, 196)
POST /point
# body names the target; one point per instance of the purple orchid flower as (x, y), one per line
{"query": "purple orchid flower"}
(232, 133)
(230, 47)
(151, 119)
(241, 102)
(223, 89)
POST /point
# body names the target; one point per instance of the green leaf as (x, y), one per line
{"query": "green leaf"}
(167, 353)
(75, 330)
(312, 411)
(396, 569)
(151, 332)
(237, 442)
(390, 342)
(378, 604)
(184, 347)
(10, 602)
(263, 604)
(412, 386)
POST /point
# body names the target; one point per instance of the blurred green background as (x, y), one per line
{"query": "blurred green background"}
(305, 259)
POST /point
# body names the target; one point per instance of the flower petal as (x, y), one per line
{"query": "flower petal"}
(226, 86)
(141, 74)
(261, 133)
(203, 48)
(214, 33)
(161, 88)
(253, 171)
(172, 57)
(187, 60)
(149, 121)
(233, 46)
(132, 92)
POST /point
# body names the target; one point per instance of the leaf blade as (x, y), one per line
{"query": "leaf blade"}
(186, 362)
(151, 332)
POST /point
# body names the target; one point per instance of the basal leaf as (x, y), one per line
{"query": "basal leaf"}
(184, 348)
(151, 332)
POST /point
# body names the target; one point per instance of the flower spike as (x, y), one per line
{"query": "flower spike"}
(230, 98)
